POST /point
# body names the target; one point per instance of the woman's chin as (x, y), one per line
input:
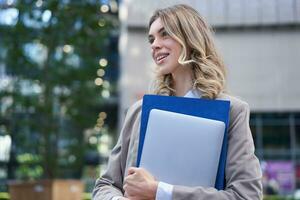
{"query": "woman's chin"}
(161, 72)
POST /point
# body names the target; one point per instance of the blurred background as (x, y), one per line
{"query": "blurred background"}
(70, 69)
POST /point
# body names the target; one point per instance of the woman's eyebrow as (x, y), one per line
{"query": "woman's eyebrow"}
(159, 31)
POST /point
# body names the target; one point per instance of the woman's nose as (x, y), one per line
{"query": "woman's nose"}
(156, 44)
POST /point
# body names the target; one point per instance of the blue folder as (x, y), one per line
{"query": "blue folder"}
(210, 109)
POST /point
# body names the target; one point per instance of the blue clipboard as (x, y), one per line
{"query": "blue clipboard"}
(210, 109)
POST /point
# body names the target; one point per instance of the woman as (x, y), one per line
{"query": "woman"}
(188, 65)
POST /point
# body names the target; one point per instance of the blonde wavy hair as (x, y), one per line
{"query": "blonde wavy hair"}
(186, 26)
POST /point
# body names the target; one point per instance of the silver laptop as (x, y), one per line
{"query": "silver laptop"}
(181, 149)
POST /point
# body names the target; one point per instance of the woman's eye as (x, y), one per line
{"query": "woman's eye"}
(150, 40)
(164, 33)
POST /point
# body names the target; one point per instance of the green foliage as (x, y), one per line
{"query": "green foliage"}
(51, 55)
(30, 166)
(277, 197)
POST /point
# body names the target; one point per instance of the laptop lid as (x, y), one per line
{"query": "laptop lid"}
(181, 149)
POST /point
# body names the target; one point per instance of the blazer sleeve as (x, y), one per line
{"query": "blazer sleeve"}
(110, 184)
(243, 173)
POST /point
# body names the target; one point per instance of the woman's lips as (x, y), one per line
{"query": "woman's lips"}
(161, 57)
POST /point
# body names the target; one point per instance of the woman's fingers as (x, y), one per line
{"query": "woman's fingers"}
(132, 170)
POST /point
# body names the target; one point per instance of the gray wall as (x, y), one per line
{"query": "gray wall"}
(263, 67)
(223, 12)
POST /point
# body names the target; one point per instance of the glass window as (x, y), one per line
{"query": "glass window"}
(271, 134)
(297, 130)
(255, 134)
(276, 136)
(297, 150)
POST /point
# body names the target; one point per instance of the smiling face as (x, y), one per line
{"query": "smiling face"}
(165, 50)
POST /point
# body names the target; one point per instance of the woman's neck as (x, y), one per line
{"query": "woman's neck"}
(183, 81)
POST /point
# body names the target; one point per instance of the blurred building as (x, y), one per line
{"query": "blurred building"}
(260, 43)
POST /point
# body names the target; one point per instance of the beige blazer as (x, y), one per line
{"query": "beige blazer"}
(242, 176)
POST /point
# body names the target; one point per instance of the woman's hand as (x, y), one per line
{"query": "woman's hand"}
(140, 184)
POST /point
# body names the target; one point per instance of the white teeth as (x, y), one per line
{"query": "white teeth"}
(161, 57)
